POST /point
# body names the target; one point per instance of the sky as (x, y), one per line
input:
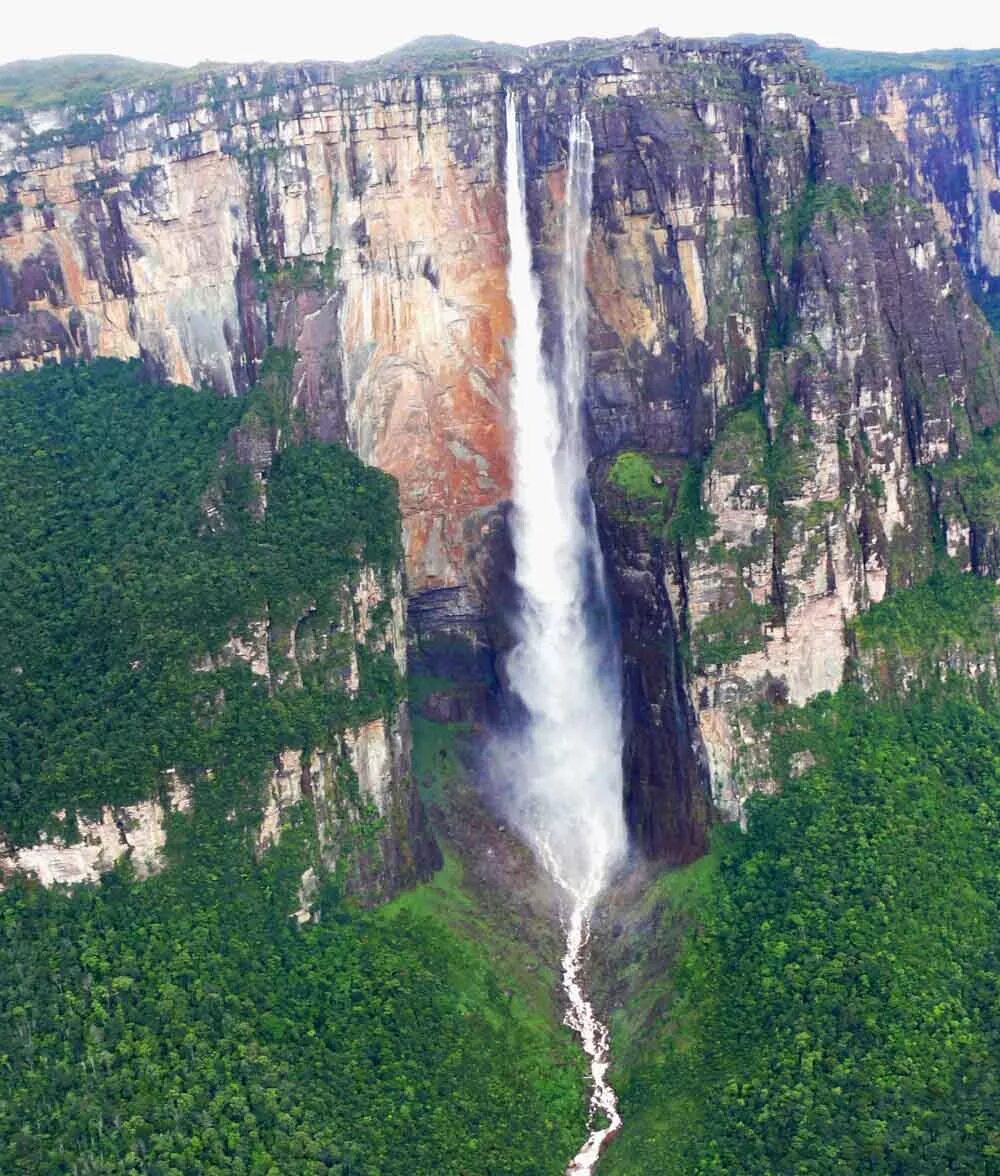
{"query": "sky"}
(183, 32)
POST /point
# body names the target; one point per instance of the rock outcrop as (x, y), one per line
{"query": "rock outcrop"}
(948, 122)
(779, 324)
(369, 824)
(136, 832)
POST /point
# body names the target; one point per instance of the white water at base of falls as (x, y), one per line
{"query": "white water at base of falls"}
(562, 767)
(580, 1017)
(595, 1038)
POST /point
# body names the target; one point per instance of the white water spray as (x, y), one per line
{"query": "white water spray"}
(564, 767)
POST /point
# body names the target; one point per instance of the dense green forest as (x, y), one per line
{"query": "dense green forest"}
(838, 1009)
(822, 993)
(187, 1024)
(129, 553)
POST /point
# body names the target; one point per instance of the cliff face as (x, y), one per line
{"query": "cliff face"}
(785, 338)
(363, 225)
(359, 791)
(949, 126)
(779, 327)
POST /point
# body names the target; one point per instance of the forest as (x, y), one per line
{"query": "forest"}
(130, 555)
(832, 1006)
(187, 1024)
(835, 1007)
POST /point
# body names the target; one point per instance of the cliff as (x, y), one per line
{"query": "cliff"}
(195, 649)
(948, 122)
(780, 330)
(784, 361)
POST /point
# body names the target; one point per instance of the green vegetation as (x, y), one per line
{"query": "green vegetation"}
(302, 273)
(948, 609)
(436, 764)
(636, 475)
(690, 520)
(741, 445)
(971, 483)
(187, 1025)
(75, 80)
(664, 494)
(836, 1012)
(818, 200)
(860, 66)
(656, 934)
(463, 895)
(116, 585)
(730, 632)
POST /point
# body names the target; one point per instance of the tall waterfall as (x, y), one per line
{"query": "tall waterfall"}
(564, 767)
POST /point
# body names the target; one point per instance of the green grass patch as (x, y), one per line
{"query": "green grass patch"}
(437, 764)
(528, 985)
(663, 494)
(637, 476)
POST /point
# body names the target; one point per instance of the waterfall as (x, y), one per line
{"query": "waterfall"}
(563, 767)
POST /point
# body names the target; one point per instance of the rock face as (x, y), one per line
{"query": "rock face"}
(778, 322)
(136, 832)
(666, 798)
(362, 225)
(368, 821)
(949, 126)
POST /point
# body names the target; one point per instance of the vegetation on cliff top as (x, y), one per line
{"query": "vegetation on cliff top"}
(74, 80)
(861, 66)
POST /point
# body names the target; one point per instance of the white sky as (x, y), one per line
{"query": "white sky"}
(186, 31)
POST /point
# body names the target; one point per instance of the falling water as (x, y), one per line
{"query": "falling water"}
(564, 768)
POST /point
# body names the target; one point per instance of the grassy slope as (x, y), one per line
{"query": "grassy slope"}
(458, 894)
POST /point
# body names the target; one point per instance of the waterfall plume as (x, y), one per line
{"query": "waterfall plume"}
(562, 767)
